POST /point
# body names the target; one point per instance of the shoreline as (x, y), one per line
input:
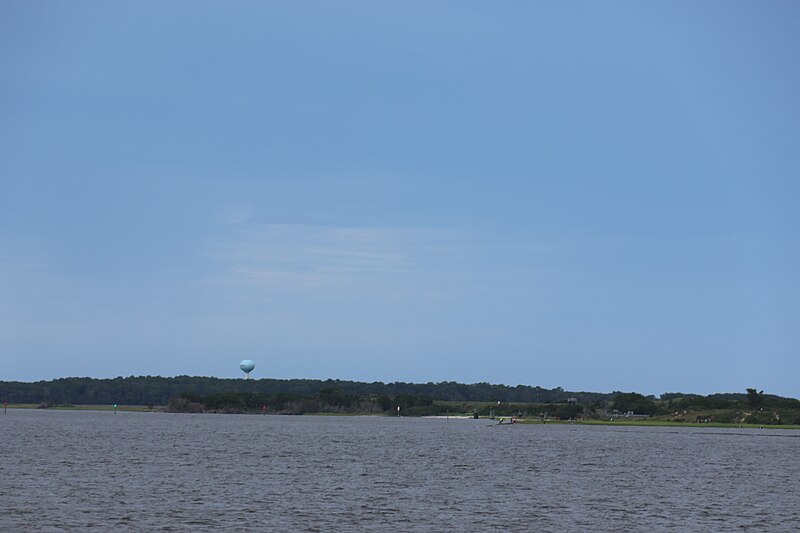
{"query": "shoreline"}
(522, 421)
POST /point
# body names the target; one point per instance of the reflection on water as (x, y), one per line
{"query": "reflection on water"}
(153, 471)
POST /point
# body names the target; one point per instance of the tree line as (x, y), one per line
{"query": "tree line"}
(753, 408)
(327, 400)
(298, 396)
(157, 390)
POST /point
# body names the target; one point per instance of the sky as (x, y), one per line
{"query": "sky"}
(596, 196)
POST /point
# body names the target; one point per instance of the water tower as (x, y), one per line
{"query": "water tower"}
(247, 366)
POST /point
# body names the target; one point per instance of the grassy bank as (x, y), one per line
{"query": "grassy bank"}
(661, 423)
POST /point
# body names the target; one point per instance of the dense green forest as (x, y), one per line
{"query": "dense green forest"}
(155, 390)
(298, 396)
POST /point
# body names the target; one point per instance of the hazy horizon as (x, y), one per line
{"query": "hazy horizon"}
(593, 196)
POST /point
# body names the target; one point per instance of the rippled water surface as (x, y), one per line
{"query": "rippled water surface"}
(79, 470)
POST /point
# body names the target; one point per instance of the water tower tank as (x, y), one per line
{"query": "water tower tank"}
(247, 366)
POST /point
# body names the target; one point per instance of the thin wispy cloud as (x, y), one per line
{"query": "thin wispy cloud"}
(289, 256)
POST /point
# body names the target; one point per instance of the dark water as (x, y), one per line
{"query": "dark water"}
(145, 471)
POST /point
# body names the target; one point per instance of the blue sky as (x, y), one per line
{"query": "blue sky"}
(598, 196)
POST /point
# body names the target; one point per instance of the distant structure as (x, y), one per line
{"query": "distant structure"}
(247, 366)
